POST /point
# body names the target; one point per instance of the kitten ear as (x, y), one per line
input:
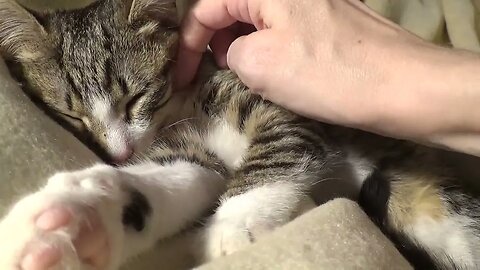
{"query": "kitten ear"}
(21, 35)
(152, 15)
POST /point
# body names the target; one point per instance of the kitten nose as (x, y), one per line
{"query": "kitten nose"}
(123, 156)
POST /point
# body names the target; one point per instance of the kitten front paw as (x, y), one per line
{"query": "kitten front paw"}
(243, 219)
(224, 237)
(232, 229)
(75, 222)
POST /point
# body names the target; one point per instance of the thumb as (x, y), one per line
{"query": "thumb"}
(255, 58)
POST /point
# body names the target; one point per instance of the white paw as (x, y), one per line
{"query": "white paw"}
(243, 219)
(223, 237)
(74, 222)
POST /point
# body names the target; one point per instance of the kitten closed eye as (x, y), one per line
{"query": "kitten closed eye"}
(130, 106)
(71, 119)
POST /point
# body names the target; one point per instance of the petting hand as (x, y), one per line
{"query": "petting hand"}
(339, 62)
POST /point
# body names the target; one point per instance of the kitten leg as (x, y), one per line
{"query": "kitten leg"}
(276, 160)
(242, 219)
(433, 222)
(101, 216)
(275, 157)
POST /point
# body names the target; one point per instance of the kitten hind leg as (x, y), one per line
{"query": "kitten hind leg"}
(433, 224)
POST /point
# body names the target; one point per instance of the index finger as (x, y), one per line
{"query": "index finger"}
(199, 26)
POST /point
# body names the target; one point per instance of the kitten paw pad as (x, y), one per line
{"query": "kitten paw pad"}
(90, 244)
(73, 223)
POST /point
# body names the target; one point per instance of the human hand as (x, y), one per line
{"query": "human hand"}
(303, 51)
(337, 61)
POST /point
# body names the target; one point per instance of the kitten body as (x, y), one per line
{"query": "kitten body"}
(104, 72)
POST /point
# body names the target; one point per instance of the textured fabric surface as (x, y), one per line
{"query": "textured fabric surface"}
(32, 145)
(450, 22)
(337, 235)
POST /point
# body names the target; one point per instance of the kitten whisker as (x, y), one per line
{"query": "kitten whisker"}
(178, 122)
(326, 179)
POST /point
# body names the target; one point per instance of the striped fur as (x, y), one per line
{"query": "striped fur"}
(104, 71)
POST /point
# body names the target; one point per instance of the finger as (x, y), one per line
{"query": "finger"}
(199, 26)
(223, 38)
(195, 36)
(185, 67)
(208, 16)
(255, 58)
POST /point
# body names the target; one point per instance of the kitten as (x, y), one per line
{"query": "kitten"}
(104, 72)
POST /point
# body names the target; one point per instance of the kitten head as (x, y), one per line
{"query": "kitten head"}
(103, 70)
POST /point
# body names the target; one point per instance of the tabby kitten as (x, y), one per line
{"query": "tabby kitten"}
(104, 71)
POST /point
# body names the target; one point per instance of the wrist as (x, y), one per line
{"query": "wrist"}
(432, 96)
(458, 126)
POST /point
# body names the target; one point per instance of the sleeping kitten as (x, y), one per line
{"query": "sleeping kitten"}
(103, 72)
